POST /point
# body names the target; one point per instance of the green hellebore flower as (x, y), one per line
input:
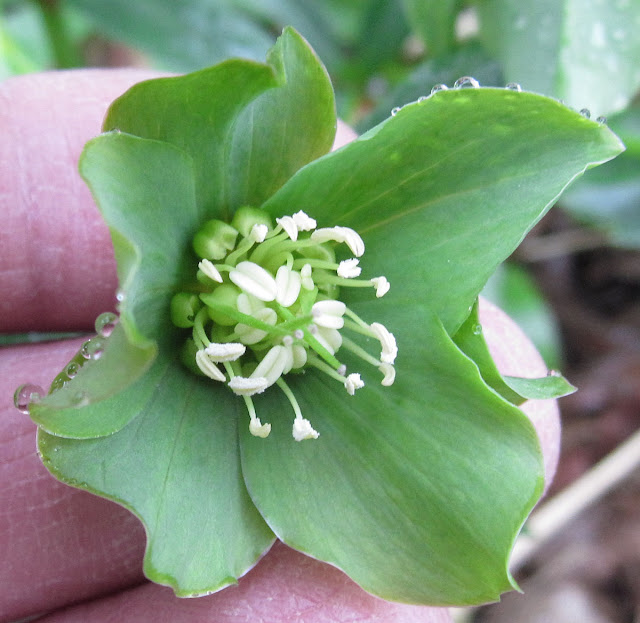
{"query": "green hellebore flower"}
(417, 484)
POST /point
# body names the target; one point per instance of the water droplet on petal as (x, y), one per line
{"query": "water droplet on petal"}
(586, 113)
(120, 296)
(395, 111)
(477, 329)
(106, 323)
(439, 87)
(80, 399)
(93, 348)
(25, 395)
(466, 82)
(72, 369)
(422, 98)
(514, 86)
(58, 383)
(601, 120)
(553, 373)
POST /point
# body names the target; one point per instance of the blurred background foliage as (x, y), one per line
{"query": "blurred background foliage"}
(574, 283)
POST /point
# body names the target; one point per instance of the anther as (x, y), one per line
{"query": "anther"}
(389, 373)
(254, 279)
(303, 221)
(348, 269)
(229, 351)
(381, 285)
(208, 368)
(248, 386)
(340, 234)
(289, 225)
(329, 314)
(387, 341)
(302, 430)
(207, 267)
(258, 429)
(353, 382)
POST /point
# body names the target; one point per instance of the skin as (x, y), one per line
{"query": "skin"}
(68, 553)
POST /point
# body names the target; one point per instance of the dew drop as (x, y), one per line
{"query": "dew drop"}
(514, 86)
(601, 120)
(477, 329)
(395, 111)
(120, 296)
(93, 349)
(25, 395)
(58, 383)
(439, 87)
(586, 113)
(553, 373)
(72, 369)
(466, 82)
(422, 98)
(106, 323)
(80, 399)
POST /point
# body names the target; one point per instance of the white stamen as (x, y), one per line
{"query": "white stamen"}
(248, 304)
(255, 280)
(248, 386)
(353, 382)
(207, 267)
(273, 364)
(229, 351)
(208, 367)
(381, 285)
(348, 269)
(298, 334)
(303, 221)
(340, 234)
(258, 232)
(305, 274)
(389, 374)
(288, 283)
(250, 335)
(258, 429)
(289, 225)
(299, 356)
(387, 341)
(331, 339)
(329, 314)
(302, 430)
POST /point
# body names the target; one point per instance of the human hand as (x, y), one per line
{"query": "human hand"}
(63, 546)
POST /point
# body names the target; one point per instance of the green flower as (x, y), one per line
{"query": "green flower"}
(264, 376)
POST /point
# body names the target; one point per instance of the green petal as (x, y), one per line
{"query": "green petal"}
(470, 339)
(241, 153)
(177, 467)
(446, 189)
(145, 192)
(416, 491)
(284, 128)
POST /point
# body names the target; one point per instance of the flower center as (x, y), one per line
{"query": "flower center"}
(267, 305)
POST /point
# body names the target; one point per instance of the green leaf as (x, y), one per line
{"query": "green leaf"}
(434, 21)
(284, 128)
(179, 36)
(608, 197)
(585, 52)
(176, 466)
(455, 181)
(416, 490)
(132, 180)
